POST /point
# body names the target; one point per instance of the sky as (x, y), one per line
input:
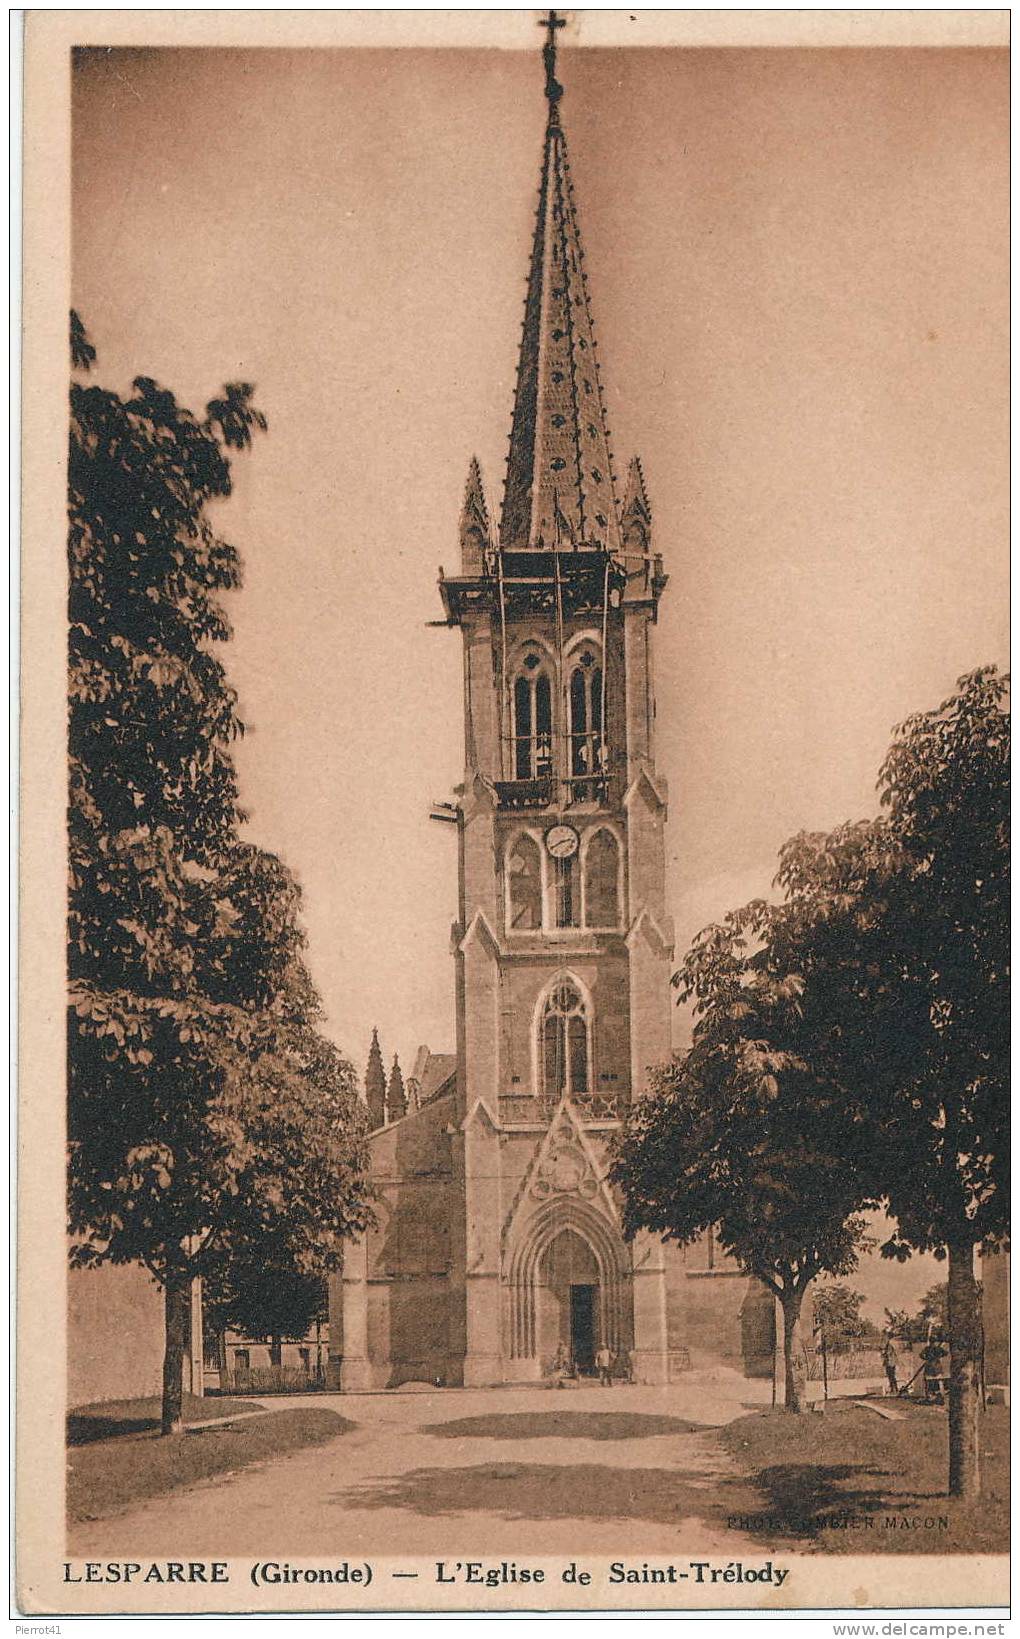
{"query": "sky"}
(798, 270)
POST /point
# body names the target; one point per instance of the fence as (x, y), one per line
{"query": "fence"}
(271, 1380)
(841, 1364)
(861, 1360)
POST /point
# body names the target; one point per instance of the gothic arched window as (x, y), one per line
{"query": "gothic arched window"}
(587, 754)
(564, 1042)
(532, 721)
(567, 896)
(602, 881)
(524, 886)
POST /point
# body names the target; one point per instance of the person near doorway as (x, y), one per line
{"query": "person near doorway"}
(891, 1360)
(604, 1362)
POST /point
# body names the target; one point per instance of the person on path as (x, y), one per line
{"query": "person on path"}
(604, 1362)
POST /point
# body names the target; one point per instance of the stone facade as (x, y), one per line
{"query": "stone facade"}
(994, 1274)
(114, 1334)
(499, 1246)
(115, 1331)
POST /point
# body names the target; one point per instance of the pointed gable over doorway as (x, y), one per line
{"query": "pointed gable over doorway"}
(564, 1164)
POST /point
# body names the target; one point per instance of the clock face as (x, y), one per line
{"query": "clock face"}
(561, 841)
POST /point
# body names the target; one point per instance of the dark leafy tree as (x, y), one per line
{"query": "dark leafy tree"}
(931, 1316)
(262, 1295)
(205, 1108)
(83, 354)
(899, 928)
(270, 1302)
(838, 1317)
(899, 1324)
(934, 1308)
(744, 1133)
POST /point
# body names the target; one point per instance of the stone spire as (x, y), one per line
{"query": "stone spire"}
(636, 518)
(375, 1085)
(475, 531)
(396, 1103)
(559, 483)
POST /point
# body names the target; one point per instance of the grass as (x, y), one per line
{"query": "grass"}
(111, 1472)
(110, 1418)
(851, 1482)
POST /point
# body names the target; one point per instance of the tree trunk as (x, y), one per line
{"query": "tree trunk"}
(964, 1376)
(791, 1302)
(177, 1312)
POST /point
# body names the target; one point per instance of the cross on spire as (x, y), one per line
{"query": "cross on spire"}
(553, 89)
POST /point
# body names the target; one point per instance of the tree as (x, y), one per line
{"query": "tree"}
(899, 1324)
(205, 1109)
(899, 927)
(261, 1295)
(743, 1133)
(838, 1315)
(934, 1308)
(199, 1131)
(932, 1316)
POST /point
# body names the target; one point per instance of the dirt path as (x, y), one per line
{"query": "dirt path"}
(471, 1471)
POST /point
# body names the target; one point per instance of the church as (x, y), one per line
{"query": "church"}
(498, 1248)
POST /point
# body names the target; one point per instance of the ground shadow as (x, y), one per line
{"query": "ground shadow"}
(114, 1419)
(83, 1430)
(805, 1499)
(785, 1505)
(577, 1491)
(563, 1425)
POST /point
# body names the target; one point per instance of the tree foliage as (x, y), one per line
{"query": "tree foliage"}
(930, 1317)
(206, 1111)
(853, 1040)
(838, 1317)
(261, 1295)
(899, 927)
(745, 1132)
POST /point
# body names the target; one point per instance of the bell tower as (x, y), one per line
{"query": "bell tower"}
(562, 945)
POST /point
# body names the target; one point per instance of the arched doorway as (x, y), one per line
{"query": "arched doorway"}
(569, 1301)
(569, 1280)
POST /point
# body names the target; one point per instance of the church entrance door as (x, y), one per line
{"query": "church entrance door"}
(582, 1326)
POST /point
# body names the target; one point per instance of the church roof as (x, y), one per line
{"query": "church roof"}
(437, 1071)
(559, 485)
